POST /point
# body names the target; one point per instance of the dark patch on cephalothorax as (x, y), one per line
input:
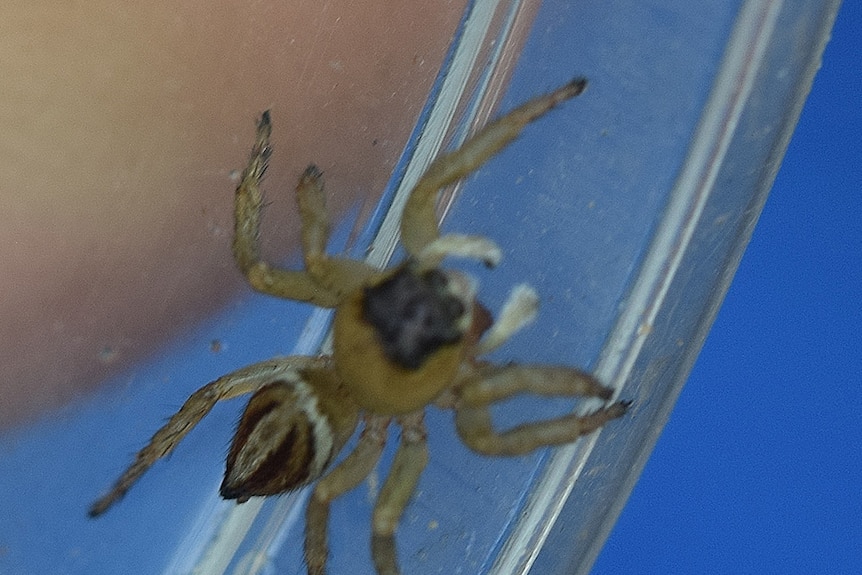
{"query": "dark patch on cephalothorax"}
(413, 315)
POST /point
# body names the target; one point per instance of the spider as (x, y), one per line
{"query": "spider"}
(403, 339)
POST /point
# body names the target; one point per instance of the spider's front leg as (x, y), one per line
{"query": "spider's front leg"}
(325, 280)
(491, 384)
(246, 380)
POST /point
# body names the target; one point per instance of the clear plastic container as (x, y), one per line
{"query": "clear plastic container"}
(628, 210)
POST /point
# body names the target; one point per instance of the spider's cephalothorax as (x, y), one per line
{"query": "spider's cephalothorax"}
(403, 339)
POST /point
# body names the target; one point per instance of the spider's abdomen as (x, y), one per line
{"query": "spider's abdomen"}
(287, 436)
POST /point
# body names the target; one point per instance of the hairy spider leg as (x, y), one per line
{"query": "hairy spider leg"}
(410, 460)
(345, 476)
(419, 221)
(326, 280)
(489, 384)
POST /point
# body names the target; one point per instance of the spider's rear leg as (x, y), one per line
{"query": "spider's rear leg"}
(326, 279)
(492, 384)
(246, 380)
(419, 222)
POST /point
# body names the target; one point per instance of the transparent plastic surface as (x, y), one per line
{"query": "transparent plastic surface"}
(627, 209)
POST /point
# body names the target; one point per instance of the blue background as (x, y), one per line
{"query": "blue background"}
(760, 468)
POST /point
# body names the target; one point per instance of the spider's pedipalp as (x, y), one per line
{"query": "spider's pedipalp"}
(519, 310)
(462, 246)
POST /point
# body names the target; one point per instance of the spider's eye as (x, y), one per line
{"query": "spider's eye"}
(413, 315)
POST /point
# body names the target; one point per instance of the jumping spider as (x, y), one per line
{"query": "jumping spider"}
(403, 339)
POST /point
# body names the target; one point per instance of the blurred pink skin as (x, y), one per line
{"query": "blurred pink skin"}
(123, 126)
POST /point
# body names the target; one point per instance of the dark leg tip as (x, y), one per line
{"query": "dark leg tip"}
(312, 172)
(576, 86)
(621, 407)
